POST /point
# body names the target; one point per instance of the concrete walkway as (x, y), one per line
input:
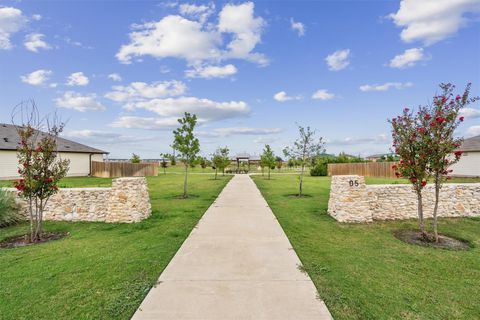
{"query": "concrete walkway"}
(236, 264)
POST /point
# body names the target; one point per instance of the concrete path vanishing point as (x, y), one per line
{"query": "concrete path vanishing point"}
(236, 264)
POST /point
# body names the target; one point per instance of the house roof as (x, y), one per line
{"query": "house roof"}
(471, 144)
(9, 140)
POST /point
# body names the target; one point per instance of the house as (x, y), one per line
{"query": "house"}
(469, 163)
(80, 155)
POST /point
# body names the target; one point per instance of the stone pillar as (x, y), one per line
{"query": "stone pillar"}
(129, 200)
(349, 199)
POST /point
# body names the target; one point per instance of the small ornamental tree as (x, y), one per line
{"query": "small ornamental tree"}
(40, 167)
(135, 158)
(221, 159)
(203, 163)
(164, 164)
(268, 158)
(279, 163)
(410, 142)
(439, 121)
(186, 144)
(305, 148)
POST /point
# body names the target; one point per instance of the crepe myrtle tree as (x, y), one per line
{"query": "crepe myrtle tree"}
(268, 159)
(186, 145)
(439, 121)
(305, 148)
(40, 167)
(410, 142)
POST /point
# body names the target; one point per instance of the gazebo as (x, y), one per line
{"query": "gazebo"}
(247, 158)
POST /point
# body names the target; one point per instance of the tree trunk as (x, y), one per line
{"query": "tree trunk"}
(268, 173)
(301, 181)
(216, 173)
(435, 208)
(164, 170)
(31, 219)
(420, 215)
(185, 182)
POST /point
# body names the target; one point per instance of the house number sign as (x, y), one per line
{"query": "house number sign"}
(353, 183)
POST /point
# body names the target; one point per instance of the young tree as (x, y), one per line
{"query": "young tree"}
(440, 120)
(268, 158)
(291, 163)
(186, 144)
(224, 159)
(135, 158)
(40, 166)
(304, 149)
(410, 142)
(203, 163)
(279, 163)
(164, 164)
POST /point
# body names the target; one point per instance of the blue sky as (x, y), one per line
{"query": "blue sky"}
(122, 72)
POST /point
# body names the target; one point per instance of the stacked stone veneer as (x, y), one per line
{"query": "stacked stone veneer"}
(353, 201)
(126, 201)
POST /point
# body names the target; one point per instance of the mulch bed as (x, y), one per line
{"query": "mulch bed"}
(444, 242)
(23, 240)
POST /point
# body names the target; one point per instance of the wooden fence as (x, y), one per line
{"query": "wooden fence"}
(123, 169)
(367, 169)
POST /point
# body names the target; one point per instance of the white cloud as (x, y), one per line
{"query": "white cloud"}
(408, 59)
(264, 140)
(77, 79)
(322, 94)
(209, 72)
(37, 78)
(172, 36)
(223, 132)
(76, 101)
(205, 109)
(338, 60)
(431, 21)
(386, 86)
(200, 12)
(141, 90)
(470, 113)
(12, 20)
(473, 131)
(246, 30)
(198, 41)
(36, 17)
(103, 137)
(297, 27)
(379, 139)
(282, 97)
(149, 123)
(34, 41)
(114, 77)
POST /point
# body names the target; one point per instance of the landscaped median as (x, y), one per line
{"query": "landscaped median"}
(362, 271)
(101, 271)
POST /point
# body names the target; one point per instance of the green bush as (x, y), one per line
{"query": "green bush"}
(8, 209)
(320, 169)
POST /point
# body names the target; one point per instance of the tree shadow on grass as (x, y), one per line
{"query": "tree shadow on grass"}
(297, 196)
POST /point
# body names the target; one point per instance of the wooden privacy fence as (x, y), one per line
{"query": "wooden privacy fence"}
(123, 169)
(367, 169)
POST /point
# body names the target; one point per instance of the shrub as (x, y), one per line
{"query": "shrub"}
(319, 170)
(8, 209)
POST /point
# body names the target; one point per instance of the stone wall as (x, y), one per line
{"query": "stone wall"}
(353, 201)
(126, 201)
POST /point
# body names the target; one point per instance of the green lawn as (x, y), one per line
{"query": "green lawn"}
(101, 271)
(73, 182)
(363, 272)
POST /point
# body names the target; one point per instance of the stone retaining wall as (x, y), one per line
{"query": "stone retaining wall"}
(126, 201)
(353, 201)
